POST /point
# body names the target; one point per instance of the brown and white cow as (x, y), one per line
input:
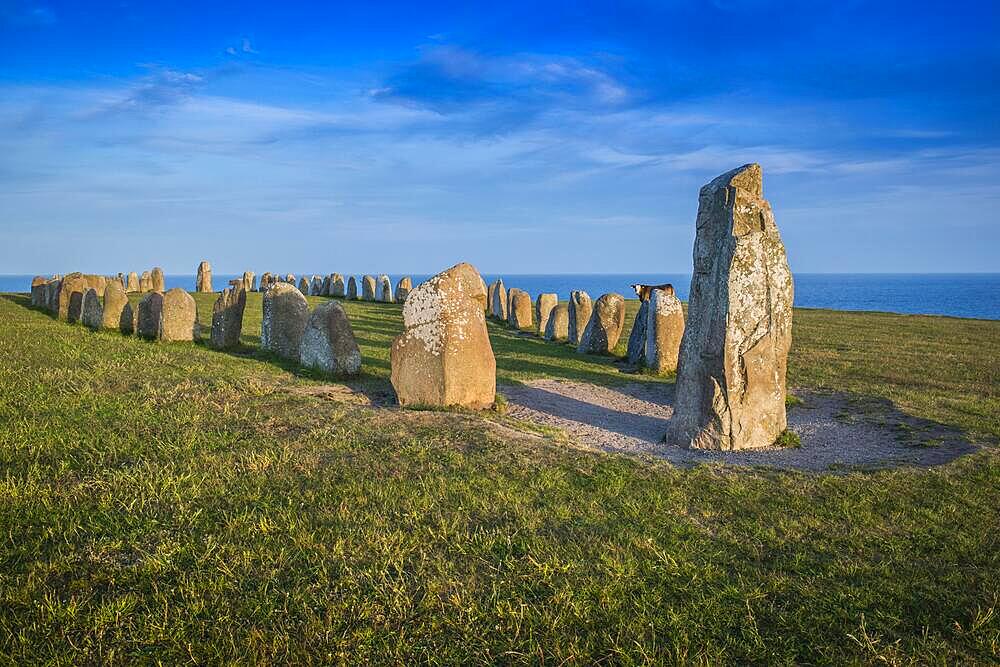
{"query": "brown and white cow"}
(644, 291)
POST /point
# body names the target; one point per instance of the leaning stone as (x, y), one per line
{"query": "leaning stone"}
(605, 326)
(90, 312)
(328, 342)
(499, 303)
(385, 289)
(557, 326)
(179, 317)
(368, 288)
(444, 356)
(543, 310)
(733, 359)
(352, 288)
(580, 308)
(337, 285)
(664, 331)
(147, 322)
(520, 309)
(403, 289)
(227, 318)
(285, 314)
(133, 283)
(156, 280)
(115, 301)
(637, 338)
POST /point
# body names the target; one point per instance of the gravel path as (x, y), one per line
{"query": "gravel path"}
(837, 432)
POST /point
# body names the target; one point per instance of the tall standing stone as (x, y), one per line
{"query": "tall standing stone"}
(203, 279)
(132, 285)
(337, 285)
(147, 324)
(605, 326)
(156, 281)
(249, 281)
(519, 314)
(664, 331)
(328, 342)
(637, 337)
(352, 288)
(444, 357)
(733, 359)
(385, 289)
(146, 282)
(70, 299)
(499, 303)
(227, 318)
(557, 326)
(115, 301)
(38, 291)
(304, 286)
(52, 289)
(403, 289)
(580, 308)
(178, 316)
(316, 286)
(285, 314)
(543, 310)
(90, 312)
(368, 288)
(327, 288)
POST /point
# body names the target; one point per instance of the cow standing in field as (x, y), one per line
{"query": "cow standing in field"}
(644, 291)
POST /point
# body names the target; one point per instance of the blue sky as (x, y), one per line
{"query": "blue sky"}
(572, 137)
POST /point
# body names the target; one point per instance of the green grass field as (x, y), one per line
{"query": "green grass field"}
(170, 503)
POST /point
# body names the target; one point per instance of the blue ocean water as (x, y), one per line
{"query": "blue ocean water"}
(974, 295)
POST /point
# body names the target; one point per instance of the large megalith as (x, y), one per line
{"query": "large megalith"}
(178, 317)
(444, 357)
(368, 288)
(285, 314)
(115, 301)
(337, 285)
(520, 309)
(71, 284)
(147, 321)
(664, 331)
(731, 372)
(227, 318)
(316, 286)
(203, 281)
(607, 320)
(132, 285)
(580, 308)
(304, 285)
(328, 342)
(498, 303)
(38, 290)
(557, 326)
(636, 350)
(91, 313)
(385, 289)
(544, 304)
(352, 288)
(249, 281)
(403, 289)
(156, 280)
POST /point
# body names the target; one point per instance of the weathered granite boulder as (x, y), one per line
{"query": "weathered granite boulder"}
(637, 337)
(580, 308)
(70, 299)
(664, 331)
(115, 301)
(132, 285)
(285, 315)
(147, 322)
(178, 317)
(605, 326)
(557, 326)
(337, 285)
(249, 281)
(304, 286)
(328, 342)
(203, 280)
(731, 371)
(227, 318)
(368, 288)
(156, 281)
(444, 357)
(146, 282)
(403, 289)
(520, 309)
(499, 302)
(352, 288)
(385, 289)
(91, 313)
(543, 310)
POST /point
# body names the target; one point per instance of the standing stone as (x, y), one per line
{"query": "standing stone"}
(249, 281)
(489, 299)
(156, 279)
(368, 288)
(543, 310)
(444, 356)
(352, 288)
(403, 289)
(290, 279)
(337, 285)
(91, 313)
(328, 342)
(605, 326)
(203, 281)
(115, 300)
(304, 286)
(146, 282)
(227, 318)
(327, 285)
(38, 284)
(52, 289)
(557, 327)
(499, 300)
(127, 320)
(178, 317)
(285, 314)
(147, 322)
(637, 337)
(132, 285)
(520, 309)
(70, 299)
(316, 286)
(733, 359)
(664, 331)
(265, 281)
(580, 309)
(385, 289)
(491, 290)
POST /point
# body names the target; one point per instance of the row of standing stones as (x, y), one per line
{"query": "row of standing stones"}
(731, 357)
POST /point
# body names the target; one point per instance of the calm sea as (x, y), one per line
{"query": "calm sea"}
(956, 294)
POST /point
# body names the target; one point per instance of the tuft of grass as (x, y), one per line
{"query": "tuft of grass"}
(791, 400)
(788, 439)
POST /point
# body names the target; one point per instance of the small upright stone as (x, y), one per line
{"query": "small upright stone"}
(203, 282)
(605, 326)
(91, 313)
(580, 308)
(227, 318)
(156, 281)
(328, 342)
(249, 281)
(178, 317)
(543, 310)
(734, 356)
(664, 331)
(368, 288)
(352, 288)
(337, 285)
(403, 289)
(557, 327)
(115, 301)
(499, 303)
(285, 314)
(132, 285)
(148, 318)
(637, 337)
(146, 282)
(385, 289)
(520, 309)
